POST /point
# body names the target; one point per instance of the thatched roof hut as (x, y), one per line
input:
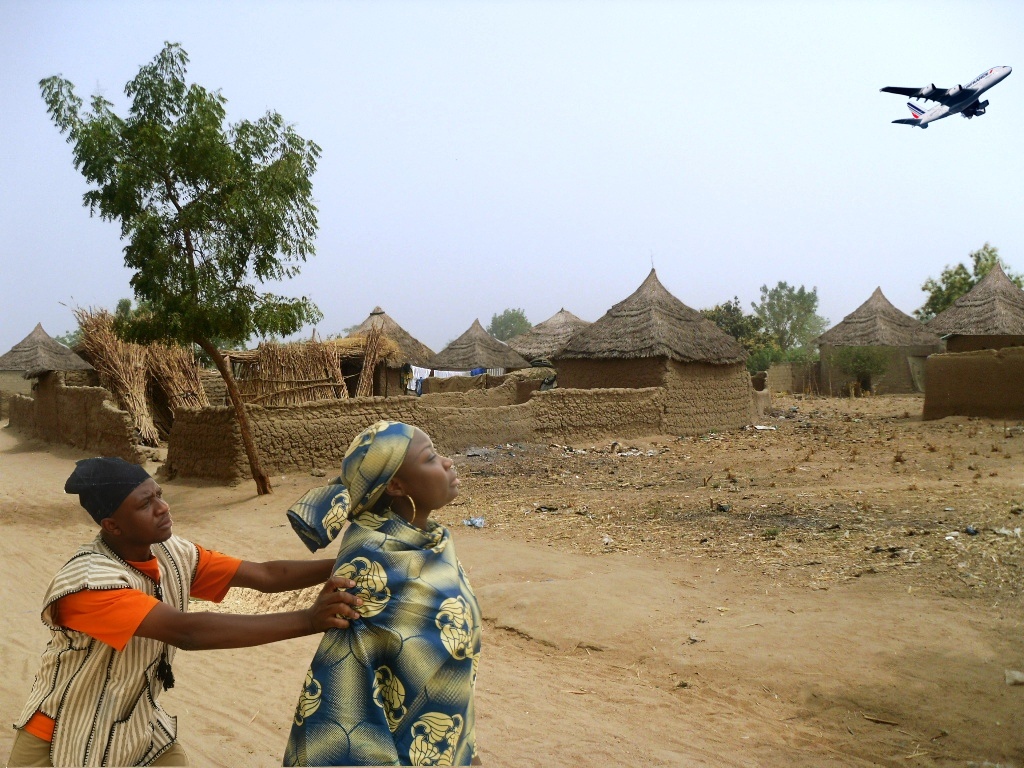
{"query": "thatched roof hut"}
(875, 323)
(476, 348)
(993, 307)
(897, 336)
(38, 353)
(410, 349)
(652, 340)
(546, 339)
(653, 323)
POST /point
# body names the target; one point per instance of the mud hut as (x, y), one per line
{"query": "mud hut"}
(878, 324)
(546, 339)
(38, 353)
(652, 339)
(31, 357)
(989, 316)
(476, 348)
(393, 376)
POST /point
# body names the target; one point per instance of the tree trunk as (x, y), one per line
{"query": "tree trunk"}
(251, 452)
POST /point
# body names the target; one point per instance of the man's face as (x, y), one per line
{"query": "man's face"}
(144, 517)
(427, 476)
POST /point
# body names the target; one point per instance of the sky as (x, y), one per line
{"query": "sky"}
(479, 156)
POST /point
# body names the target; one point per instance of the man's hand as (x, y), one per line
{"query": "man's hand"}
(333, 608)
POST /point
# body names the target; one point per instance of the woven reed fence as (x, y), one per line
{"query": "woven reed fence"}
(121, 366)
(288, 374)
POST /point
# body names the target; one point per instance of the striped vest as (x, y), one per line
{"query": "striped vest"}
(104, 702)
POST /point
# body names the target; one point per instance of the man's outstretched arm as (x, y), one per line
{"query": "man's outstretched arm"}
(206, 631)
(282, 575)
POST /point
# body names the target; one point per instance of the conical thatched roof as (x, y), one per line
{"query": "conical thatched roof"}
(476, 348)
(654, 323)
(547, 339)
(993, 307)
(412, 350)
(38, 353)
(877, 322)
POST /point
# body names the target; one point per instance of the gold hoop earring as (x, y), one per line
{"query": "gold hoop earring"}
(413, 503)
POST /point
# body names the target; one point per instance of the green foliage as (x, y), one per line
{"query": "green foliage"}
(954, 282)
(70, 339)
(861, 363)
(509, 323)
(762, 349)
(790, 315)
(731, 319)
(209, 210)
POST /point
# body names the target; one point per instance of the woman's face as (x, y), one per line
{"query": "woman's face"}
(425, 475)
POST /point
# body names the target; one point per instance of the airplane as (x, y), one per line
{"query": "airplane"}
(962, 98)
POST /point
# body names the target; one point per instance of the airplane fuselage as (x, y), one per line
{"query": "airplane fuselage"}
(960, 98)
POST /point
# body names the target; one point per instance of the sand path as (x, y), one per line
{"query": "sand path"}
(589, 659)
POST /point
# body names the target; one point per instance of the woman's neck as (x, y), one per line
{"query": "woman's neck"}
(406, 509)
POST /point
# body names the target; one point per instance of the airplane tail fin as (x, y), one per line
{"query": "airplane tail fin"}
(916, 111)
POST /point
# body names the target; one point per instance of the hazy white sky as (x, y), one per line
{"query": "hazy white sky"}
(485, 155)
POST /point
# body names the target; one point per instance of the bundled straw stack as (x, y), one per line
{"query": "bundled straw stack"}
(175, 371)
(121, 366)
(373, 353)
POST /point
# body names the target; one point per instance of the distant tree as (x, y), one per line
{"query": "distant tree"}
(209, 211)
(954, 282)
(509, 323)
(762, 350)
(70, 339)
(790, 315)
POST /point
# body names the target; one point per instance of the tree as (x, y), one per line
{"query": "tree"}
(209, 210)
(509, 323)
(70, 339)
(862, 363)
(762, 350)
(790, 315)
(954, 282)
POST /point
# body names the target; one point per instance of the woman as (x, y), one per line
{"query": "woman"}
(396, 688)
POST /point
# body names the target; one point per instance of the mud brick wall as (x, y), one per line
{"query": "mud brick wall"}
(571, 415)
(433, 385)
(986, 383)
(205, 443)
(12, 383)
(703, 398)
(898, 378)
(797, 378)
(83, 417)
(975, 343)
(576, 373)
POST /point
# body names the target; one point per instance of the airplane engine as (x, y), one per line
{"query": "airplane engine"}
(954, 90)
(975, 109)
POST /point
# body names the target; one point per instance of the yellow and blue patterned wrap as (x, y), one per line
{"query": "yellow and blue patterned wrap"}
(397, 687)
(371, 460)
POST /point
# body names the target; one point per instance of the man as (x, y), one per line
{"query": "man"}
(118, 609)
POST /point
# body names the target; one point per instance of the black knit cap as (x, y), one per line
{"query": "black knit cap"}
(102, 484)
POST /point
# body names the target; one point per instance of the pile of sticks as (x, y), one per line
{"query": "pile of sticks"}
(373, 353)
(122, 369)
(176, 372)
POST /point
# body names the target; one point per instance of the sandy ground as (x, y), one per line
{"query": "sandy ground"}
(802, 595)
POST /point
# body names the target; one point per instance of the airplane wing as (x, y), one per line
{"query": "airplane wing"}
(928, 92)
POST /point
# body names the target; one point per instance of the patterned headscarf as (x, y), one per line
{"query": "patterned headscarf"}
(370, 462)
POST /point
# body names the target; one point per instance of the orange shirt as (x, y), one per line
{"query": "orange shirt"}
(112, 615)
